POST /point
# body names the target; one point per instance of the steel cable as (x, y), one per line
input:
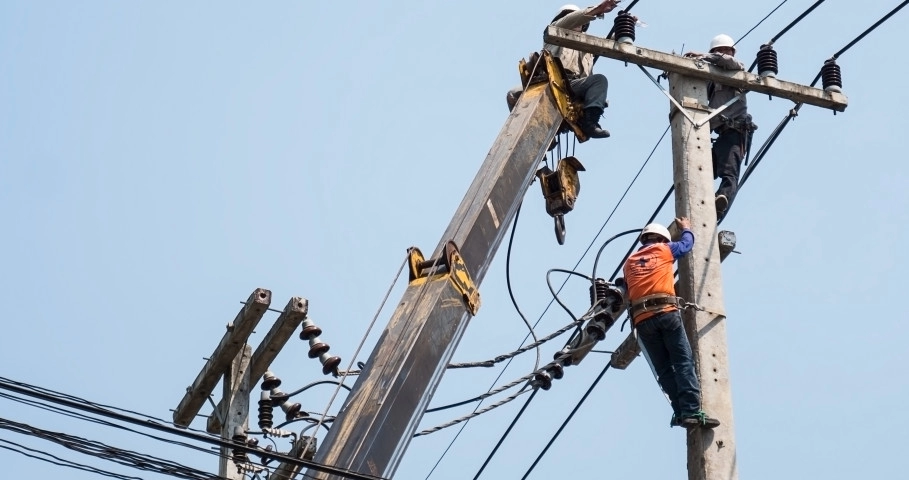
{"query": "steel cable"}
(759, 23)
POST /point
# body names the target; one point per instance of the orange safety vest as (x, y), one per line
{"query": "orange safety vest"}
(649, 272)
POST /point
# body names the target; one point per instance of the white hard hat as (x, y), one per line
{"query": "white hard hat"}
(722, 40)
(565, 10)
(657, 229)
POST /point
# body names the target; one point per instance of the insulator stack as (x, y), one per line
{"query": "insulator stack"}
(563, 356)
(270, 381)
(239, 456)
(598, 326)
(601, 299)
(556, 370)
(318, 348)
(266, 417)
(293, 411)
(543, 380)
(624, 27)
(831, 76)
(767, 61)
(598, 291)
(273, 398)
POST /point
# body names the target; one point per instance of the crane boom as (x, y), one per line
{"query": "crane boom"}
(382, 413)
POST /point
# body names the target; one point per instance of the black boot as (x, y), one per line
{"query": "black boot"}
(589, 123)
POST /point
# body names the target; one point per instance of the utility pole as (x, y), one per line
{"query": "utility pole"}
(234, 360)
(236, 397)
(711, 453)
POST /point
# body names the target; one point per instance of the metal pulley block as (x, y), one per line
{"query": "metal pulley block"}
(560, 191)
(450, 265)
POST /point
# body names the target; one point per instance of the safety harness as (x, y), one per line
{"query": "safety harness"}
(743, 125)
(654, 302)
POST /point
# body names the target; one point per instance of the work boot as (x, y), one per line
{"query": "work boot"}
(699, 419)
(674, 421)
(589, 123)
(722, 203)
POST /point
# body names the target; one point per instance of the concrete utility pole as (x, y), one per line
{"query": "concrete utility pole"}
(236, 397)
(234, 360)
(711, 453)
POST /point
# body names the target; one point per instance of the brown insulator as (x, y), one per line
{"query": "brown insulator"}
(266, 417)
(310, 331)
(330, 365)
(318, 349)
(270, 381)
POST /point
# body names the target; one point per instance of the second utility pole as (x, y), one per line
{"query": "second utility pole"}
(711, 453)
(700, 279)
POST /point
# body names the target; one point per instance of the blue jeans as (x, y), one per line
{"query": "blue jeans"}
(664, 339)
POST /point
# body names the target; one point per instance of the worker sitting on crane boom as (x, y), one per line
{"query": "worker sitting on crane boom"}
(590, 88)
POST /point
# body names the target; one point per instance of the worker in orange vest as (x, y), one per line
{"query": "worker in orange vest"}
(656, 319)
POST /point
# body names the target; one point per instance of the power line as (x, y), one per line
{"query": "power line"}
(759, 23)
(80, 404)
(650, 220)
(107, 452)
(55, 460)
(504, 435)
(870, 29)
(570, 416)
(793, 112)
(84, 417)
(791, 24)
(502, 358)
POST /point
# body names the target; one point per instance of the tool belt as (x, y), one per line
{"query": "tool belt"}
(571, 75)
(653, 302)
(742, 124)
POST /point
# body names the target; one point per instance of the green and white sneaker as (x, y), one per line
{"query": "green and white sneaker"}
(699, 419)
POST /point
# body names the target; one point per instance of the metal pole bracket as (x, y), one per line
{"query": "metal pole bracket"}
(451, 266)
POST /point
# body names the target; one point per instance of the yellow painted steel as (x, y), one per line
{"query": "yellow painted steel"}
(451, 267)
(554, 76)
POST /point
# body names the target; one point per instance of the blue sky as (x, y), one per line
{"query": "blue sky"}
(161, 160)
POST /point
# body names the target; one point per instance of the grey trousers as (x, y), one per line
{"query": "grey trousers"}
(591, 90)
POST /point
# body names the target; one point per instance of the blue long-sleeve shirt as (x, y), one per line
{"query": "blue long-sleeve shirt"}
(683, 246)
